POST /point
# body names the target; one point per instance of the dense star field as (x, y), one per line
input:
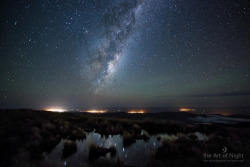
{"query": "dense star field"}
(108, 53)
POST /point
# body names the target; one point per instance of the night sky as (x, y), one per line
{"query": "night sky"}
(111, 53)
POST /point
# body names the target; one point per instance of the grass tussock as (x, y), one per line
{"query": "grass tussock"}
(69, 147)
(96, 151)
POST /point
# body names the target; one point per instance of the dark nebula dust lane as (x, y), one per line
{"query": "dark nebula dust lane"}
(118, 24)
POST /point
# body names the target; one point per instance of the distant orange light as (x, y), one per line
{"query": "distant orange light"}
(96, 111)
(186, 110)
(136, 112)
(55, 110)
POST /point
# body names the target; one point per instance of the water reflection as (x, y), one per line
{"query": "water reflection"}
(138, 154)
(201, 136)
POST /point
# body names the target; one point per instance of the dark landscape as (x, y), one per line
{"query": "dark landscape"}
(28, 138)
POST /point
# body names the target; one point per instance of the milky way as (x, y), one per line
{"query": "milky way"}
(118, 21)
(124, 53)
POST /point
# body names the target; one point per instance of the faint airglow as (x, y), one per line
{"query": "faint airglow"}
(186, 110)
(136, 112)
(96, 111)
(55, 110)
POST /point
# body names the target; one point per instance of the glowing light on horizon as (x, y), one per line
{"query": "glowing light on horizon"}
(136, 112)
(55, 110)
(96, 111)
(186, 110)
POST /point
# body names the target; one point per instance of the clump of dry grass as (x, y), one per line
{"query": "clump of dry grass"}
(128, 138)
(96, 151)
(69, 147)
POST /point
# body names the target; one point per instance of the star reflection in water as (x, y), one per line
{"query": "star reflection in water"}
(137, 154)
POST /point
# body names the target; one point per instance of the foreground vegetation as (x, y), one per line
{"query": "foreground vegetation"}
(26, 134)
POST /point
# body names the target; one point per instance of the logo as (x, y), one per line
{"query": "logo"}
(225, 156)
(224, 150)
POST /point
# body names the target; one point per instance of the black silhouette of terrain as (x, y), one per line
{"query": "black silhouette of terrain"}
(27, 134)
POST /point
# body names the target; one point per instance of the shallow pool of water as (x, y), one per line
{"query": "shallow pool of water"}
(137, 154)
